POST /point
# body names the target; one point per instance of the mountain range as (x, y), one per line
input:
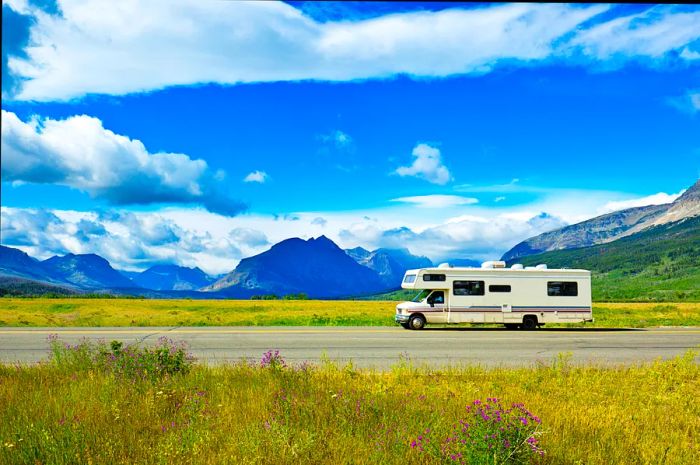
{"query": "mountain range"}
(315, 267)
(641, 252)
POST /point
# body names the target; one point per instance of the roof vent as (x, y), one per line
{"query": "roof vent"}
(494, 264)
(517, 266)
(541, 266)
(444, 265)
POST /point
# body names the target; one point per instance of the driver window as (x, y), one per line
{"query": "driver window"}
(437, 297)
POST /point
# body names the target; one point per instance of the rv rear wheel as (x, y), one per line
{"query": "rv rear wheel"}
(529, 322)
(417, 322)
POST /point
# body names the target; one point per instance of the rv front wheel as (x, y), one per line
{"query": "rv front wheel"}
(417, 322)
(529, 322)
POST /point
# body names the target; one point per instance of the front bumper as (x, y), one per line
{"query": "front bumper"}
(400, 318)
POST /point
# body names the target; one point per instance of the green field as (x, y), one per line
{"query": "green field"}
(153, 312)
(82, 407)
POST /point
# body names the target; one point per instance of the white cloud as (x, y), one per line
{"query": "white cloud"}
(256, 176)
(79, 152)
(689, 103)
(437, 201)
(339, 139)
(655, 199)
(500, 198)
(249, 237)
(215, 243)
(128, 240)
(130, 46)
(427, 165)
(320, 221)
(651, 34)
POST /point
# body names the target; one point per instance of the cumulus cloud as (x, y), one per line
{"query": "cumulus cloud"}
(655, 199)
(82, 50)
(128, 240)
(437, 201)
(79, 152)
(472, 236)
(427, 165)
(256, 176)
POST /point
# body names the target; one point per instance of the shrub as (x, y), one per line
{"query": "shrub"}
(166, 358)
(488, 434)
(273, 360)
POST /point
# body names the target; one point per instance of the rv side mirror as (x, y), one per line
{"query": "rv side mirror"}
(431, 301)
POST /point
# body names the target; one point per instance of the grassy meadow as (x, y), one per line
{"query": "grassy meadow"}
(155, 312)
(90, 406)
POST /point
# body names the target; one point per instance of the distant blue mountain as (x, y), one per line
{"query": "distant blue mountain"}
(15, 263)
(316, 267)
(88, 271)
(75, 271)
(465, 262)
(172, 278)
(389, 264)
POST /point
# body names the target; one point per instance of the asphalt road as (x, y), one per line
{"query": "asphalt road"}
(379, 347)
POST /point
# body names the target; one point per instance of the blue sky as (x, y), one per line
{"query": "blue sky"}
(453, 130)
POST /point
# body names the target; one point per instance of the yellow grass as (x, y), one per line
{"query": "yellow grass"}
(146, 312)
(646, 414)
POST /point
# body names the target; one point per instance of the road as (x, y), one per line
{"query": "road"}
(379, 347)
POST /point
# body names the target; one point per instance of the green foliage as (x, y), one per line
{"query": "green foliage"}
(661, 263)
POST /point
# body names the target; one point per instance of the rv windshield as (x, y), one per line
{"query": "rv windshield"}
(423, 294)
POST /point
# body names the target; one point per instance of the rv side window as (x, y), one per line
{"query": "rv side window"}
(468, 288)
(499, 288)
(433, 277)
(562, 288)
(409, 279)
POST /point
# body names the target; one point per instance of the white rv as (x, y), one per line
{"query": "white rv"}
(517, 297)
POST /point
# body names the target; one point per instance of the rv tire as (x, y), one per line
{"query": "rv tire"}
(529, 322)
(417, 322)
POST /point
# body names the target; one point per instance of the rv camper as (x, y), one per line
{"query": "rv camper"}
(517, 297)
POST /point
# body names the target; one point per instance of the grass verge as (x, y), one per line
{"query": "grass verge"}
(80, 407)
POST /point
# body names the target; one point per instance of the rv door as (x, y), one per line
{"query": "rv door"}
(436, 300)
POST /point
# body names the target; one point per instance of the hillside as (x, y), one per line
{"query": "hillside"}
(660, 263)
(611, 226)
(13, 286)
